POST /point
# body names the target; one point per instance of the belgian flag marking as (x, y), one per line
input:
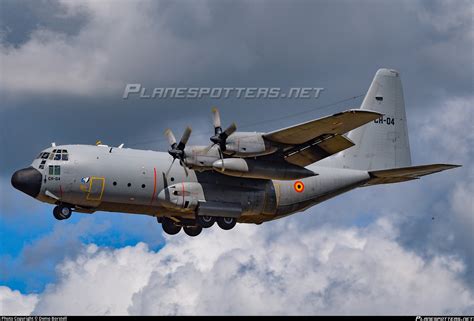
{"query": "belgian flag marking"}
(299, 186)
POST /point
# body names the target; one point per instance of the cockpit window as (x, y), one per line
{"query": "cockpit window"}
(54, 170)
(57, 154)
(44, 155)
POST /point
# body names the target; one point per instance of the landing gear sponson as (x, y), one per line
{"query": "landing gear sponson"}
(173, 226)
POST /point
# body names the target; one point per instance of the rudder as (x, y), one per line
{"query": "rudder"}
(382, 143)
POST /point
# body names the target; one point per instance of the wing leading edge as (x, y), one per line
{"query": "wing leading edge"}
(336, 124)
(309, 142)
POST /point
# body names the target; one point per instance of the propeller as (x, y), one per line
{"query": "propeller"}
(177, 149)
(220, 136)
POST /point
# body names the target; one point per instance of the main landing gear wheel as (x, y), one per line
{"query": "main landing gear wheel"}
(169, 226)
(205, 221)
(226, 223)
(62, 212)
(193, 230)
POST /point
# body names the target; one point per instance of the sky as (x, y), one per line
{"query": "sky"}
(406, 248)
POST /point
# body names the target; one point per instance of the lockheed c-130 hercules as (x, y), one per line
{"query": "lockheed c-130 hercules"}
(244, 177)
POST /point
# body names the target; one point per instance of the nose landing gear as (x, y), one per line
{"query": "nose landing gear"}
(62, 212)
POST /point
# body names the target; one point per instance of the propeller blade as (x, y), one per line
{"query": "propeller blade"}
(169, 169)
(184, 138)
(171, 139)
(221, 155)
(183, 166)
(216, 119)
(229, 131)
(208, 148)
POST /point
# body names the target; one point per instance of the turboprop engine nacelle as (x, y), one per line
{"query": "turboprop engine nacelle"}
(240, 167)
(182, 196)
(248, 144)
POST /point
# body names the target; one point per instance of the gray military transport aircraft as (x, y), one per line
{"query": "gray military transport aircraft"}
(245, 177)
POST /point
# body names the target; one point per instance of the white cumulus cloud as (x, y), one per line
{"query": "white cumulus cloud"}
(277, 269)
(15, 303)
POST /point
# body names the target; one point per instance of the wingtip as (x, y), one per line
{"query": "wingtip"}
(453, 165)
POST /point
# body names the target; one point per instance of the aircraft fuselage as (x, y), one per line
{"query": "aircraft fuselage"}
(103, 178)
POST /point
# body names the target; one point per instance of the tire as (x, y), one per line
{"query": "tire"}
(193, 230)
(226, 223)
(64, 211)
(170, 227)
(56, 213)
(205, 221)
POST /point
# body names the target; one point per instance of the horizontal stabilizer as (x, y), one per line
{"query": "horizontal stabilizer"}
(402, 174)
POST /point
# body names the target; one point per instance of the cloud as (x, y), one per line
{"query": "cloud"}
(15, 303)
(332, 257)
(252, 270)
(147, 42)
(445, 128)
(119, 41)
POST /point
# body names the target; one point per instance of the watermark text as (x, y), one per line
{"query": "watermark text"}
(140, 92)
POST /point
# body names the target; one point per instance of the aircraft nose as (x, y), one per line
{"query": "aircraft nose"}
(27, 180)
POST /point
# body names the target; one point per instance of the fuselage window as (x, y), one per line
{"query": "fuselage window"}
(51, 170)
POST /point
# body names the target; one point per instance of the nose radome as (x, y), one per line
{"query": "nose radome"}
(27, 180)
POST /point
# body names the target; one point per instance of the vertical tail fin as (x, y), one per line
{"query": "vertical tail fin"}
(382, 143)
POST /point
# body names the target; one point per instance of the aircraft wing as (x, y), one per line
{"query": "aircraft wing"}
(336, 124)
(403, 174)
(314, 140)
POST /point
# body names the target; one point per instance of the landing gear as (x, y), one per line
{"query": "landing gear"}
(193, 230)
(62, 212)
(170, 227)
(205, 221)
(194, 227)
(226, 223)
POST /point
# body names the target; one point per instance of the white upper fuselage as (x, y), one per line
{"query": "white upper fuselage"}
(129, 180)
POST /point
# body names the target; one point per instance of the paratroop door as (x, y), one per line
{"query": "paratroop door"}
(96, 188)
